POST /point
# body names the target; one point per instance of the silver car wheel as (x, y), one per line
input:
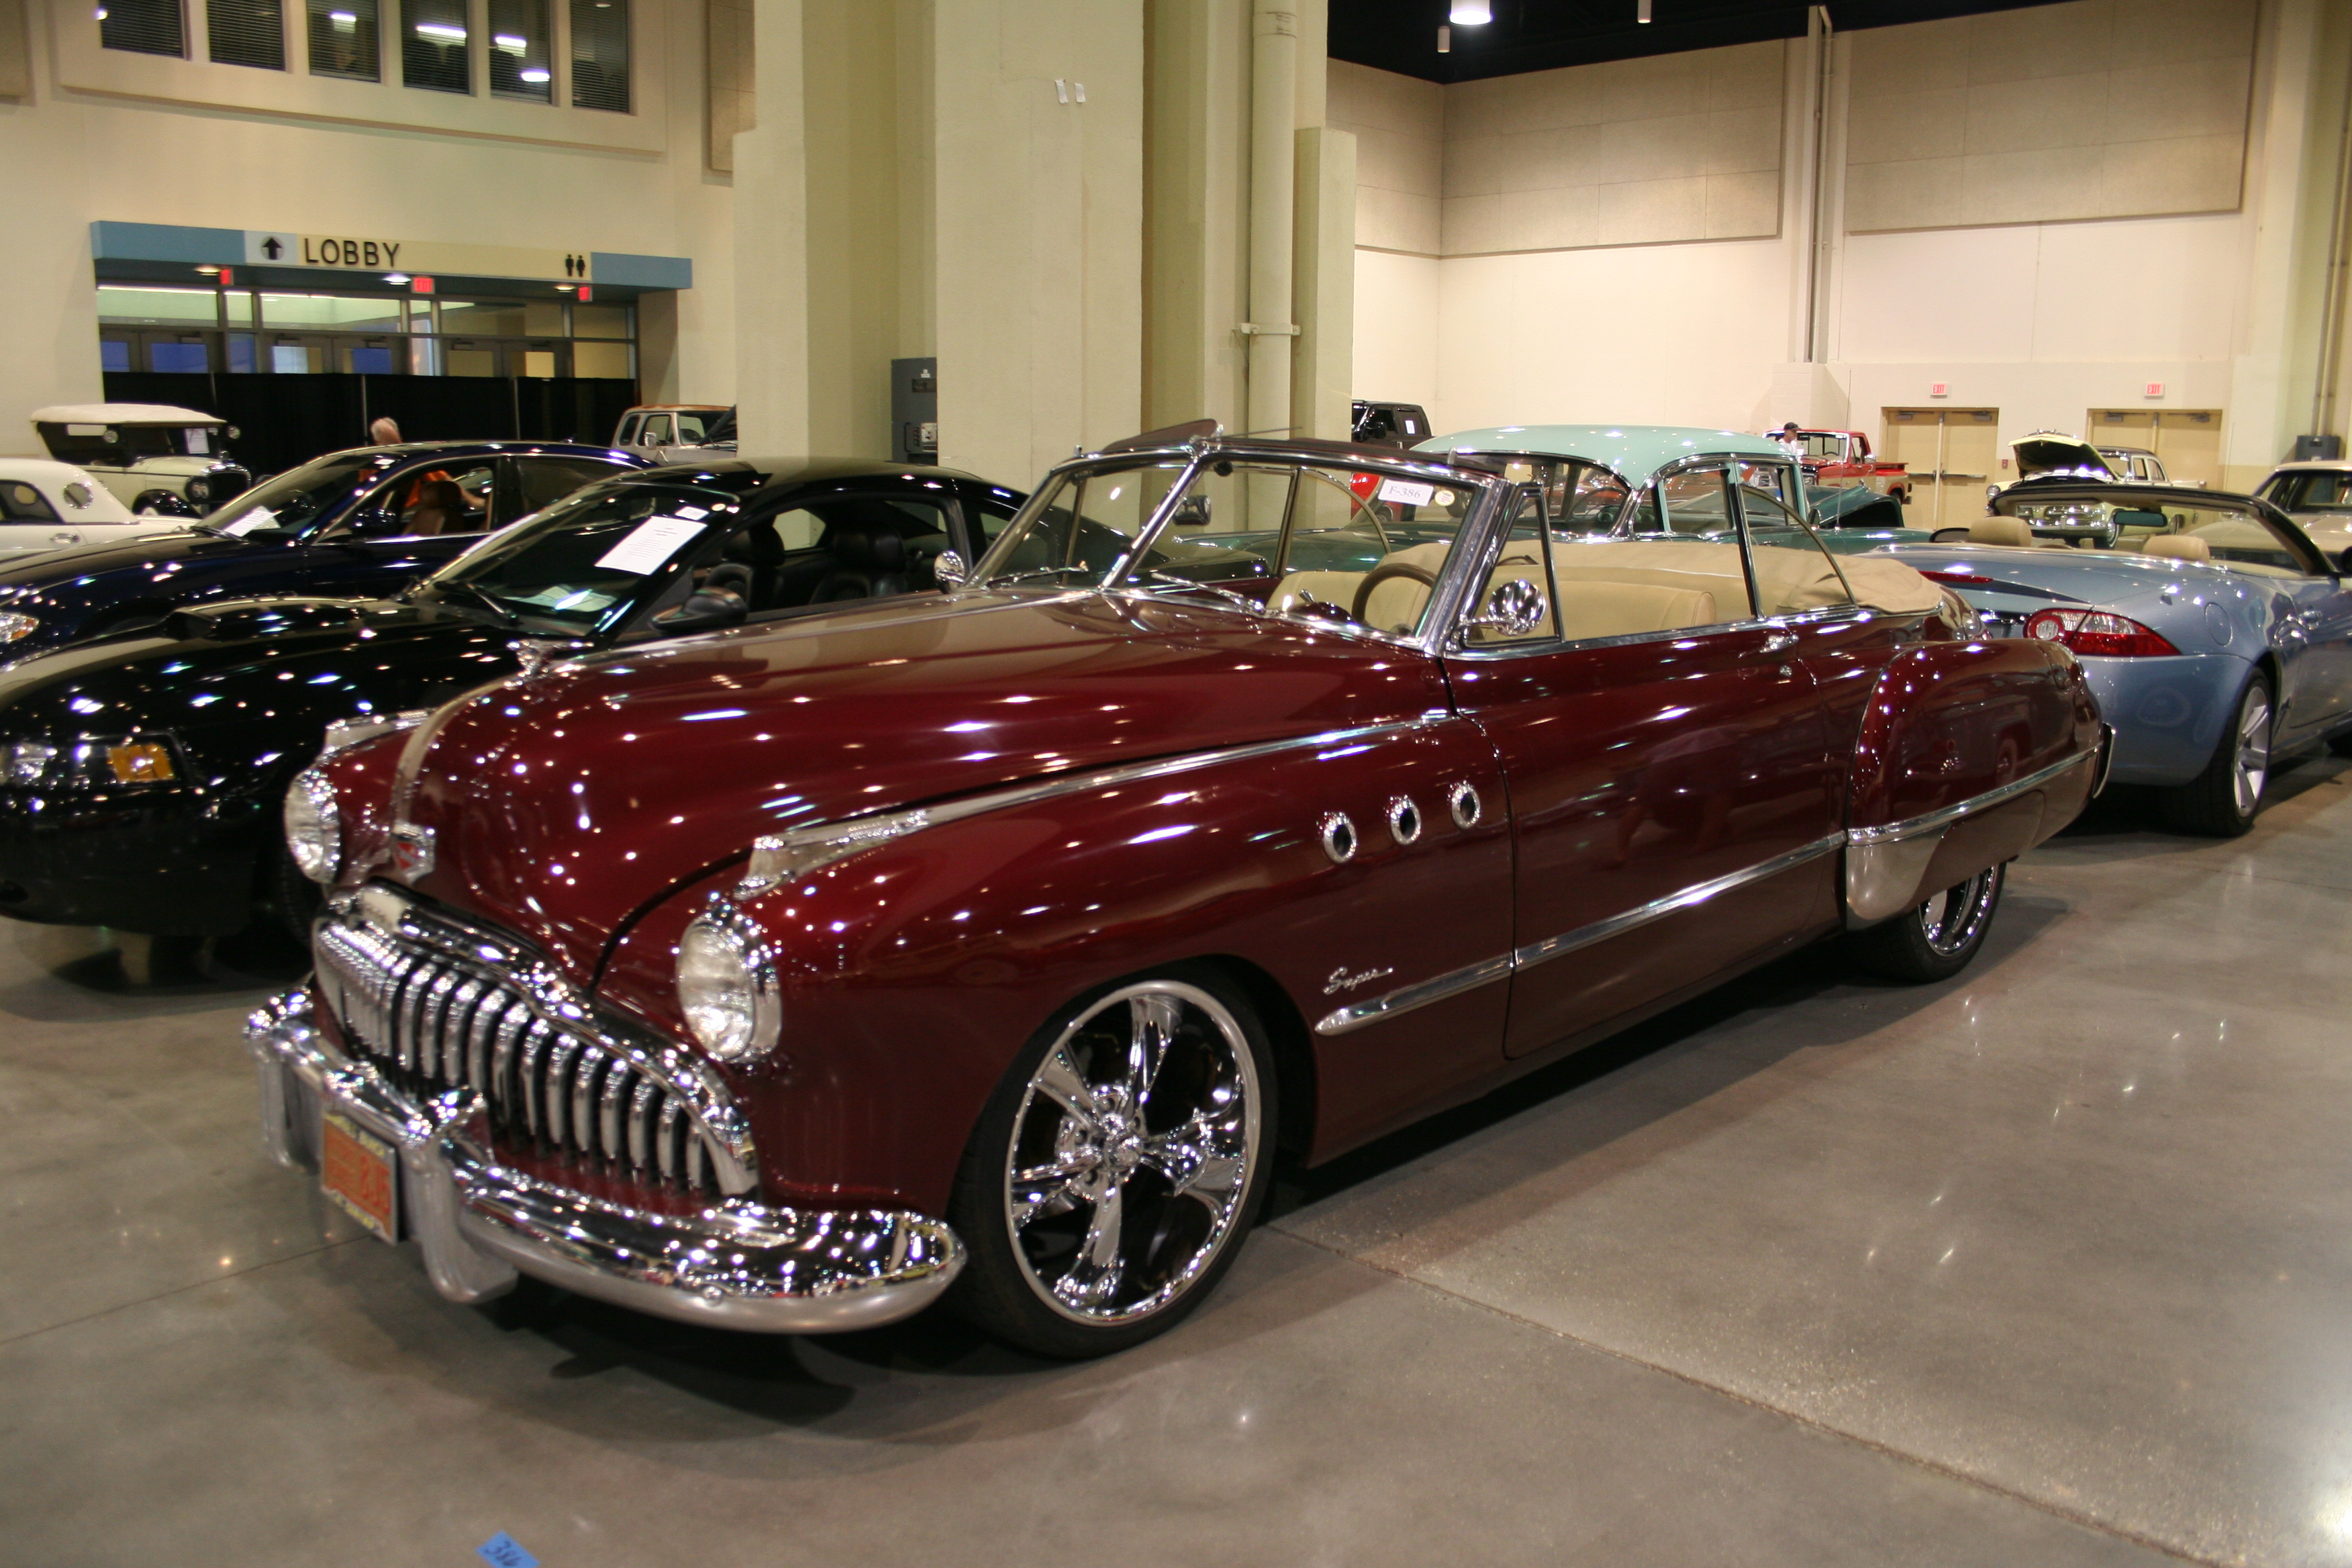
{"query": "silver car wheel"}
(2254, 760)
(1954, 917)
(1132, 1150)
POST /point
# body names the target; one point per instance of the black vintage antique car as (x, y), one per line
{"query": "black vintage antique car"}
(365, 521)
(142, 775)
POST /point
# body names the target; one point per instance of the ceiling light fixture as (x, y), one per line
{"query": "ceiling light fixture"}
(1445, 39)
(1643, 14)
(395, 277)
(1470, 13)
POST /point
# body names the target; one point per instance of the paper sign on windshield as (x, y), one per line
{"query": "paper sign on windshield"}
(1405, 492)
(649, 545)
(259, 517)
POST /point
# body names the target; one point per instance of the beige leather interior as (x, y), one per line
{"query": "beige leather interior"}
(2179, 546)
(1616, 587)
(1999, 531)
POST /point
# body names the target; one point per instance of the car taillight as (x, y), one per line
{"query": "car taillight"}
(2099, 633)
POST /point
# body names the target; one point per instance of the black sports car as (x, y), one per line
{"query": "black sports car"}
(366, 521)
(142, 775)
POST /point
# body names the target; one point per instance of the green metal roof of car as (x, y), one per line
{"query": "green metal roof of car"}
(1635, 451)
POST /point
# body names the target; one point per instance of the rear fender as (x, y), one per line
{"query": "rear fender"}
(1969, 754)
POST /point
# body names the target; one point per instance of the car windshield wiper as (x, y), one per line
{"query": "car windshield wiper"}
(1244, 600)
(488, 600)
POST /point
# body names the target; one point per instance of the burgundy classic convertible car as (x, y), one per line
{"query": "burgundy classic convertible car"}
(1245, 796)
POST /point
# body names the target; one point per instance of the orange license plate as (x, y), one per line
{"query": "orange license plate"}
(356, 1168)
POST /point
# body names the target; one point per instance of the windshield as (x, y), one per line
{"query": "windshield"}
(293, 499)
(2312, 491)
(1274, 535)
(2179, 525)
(585, 564)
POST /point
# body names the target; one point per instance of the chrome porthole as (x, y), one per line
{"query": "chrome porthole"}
(1132, 1153)
(1463, 801)
(1339, 835)
(1404, 819)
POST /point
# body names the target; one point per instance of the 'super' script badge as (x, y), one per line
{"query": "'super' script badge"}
(412, 852)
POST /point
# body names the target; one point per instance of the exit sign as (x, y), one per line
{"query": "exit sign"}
(2155, 389)
(1940, 389)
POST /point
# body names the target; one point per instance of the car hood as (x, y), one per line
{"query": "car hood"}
(30, 576)
(563, 805)
(225, 678)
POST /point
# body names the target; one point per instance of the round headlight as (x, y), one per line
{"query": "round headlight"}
(727, 986)
(314, 827)
(200, 489)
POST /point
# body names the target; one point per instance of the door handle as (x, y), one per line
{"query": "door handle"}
(1779, 640)
(67, 536)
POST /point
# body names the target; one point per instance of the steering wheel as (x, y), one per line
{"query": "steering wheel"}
(1389, 570)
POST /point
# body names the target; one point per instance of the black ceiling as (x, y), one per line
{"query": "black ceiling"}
(1538, 35)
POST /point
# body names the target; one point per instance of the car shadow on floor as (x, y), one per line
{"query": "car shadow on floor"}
(795, 1381)
(80, 970)
(2127, 822)
(1807, 978)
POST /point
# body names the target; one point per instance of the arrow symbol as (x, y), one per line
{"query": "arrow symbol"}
(271, 247)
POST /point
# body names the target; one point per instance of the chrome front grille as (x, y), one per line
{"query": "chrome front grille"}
(434, 1021)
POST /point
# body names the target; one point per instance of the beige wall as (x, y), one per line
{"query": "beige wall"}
(1400, 128)
(2086, 109)
(732, 82)
(2040, 320)
(74, 157)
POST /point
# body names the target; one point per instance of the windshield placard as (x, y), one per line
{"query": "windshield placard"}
(649, 544)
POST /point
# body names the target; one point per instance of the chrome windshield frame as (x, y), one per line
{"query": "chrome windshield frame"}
(1494, 492)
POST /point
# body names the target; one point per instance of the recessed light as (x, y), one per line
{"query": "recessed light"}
(395, 277)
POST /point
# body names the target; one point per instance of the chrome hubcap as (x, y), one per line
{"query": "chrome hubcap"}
(2254, 752)
(1131, 1152)
(1956, 916)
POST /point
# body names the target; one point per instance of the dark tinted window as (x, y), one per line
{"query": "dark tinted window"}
(432, 46)
(21, 502)
(343, 39)
(295, 497)
(600, 55)
(143, 26)
(2312, 491)
(542, 481)
(246, 33)
(585, 564)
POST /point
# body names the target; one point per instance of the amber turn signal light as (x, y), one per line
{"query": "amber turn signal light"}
(141, 761)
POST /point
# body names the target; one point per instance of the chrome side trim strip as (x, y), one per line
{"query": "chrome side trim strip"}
(1933, 821)
(1696, 894)
(1406, 998)
(757, 880)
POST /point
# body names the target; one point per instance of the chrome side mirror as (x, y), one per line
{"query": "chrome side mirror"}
(948, 568)
(1514, 608)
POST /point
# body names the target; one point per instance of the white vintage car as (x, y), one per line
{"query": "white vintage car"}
(156, 459)
(55, 506)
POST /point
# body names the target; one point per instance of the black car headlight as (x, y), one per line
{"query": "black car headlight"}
(727, 985)
(105, 762)
(314, 826)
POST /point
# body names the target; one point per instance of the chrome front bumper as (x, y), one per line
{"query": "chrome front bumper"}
(736, 1264)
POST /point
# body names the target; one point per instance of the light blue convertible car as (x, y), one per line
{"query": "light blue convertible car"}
(2217, 637)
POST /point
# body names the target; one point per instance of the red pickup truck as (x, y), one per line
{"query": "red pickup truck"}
(1840, 458)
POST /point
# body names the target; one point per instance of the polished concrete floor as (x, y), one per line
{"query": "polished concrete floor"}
(2052, 1264)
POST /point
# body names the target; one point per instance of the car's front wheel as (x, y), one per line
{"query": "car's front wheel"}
(1114, 1172)
(1937, 940)
(2220, 802)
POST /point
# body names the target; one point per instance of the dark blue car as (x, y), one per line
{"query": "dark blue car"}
(360, 523)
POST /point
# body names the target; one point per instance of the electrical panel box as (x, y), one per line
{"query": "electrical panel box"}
(914, 408)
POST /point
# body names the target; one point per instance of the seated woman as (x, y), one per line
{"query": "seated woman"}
(440, 508)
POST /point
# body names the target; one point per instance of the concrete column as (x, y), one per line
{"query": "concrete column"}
(1037, 246)
(1195, 253)
(1274, 100)
(772, 244)
(1324, 287)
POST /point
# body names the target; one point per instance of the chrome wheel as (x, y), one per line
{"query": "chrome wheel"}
(1951, 922)
(1132, 1150)
(2253, 765)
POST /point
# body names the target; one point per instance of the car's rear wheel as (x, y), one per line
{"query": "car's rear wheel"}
(1114, 1172)
(1939, 938)
(2222, 801)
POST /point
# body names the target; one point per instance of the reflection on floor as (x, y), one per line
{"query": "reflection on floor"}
(2051, 1265)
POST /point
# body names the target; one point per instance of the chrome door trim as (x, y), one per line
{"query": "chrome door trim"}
(1935, 821)
(1406, 998)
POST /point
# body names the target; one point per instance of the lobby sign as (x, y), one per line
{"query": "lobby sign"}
(378, 254)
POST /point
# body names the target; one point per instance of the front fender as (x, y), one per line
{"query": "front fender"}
(1969, 754)
(913, 972)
